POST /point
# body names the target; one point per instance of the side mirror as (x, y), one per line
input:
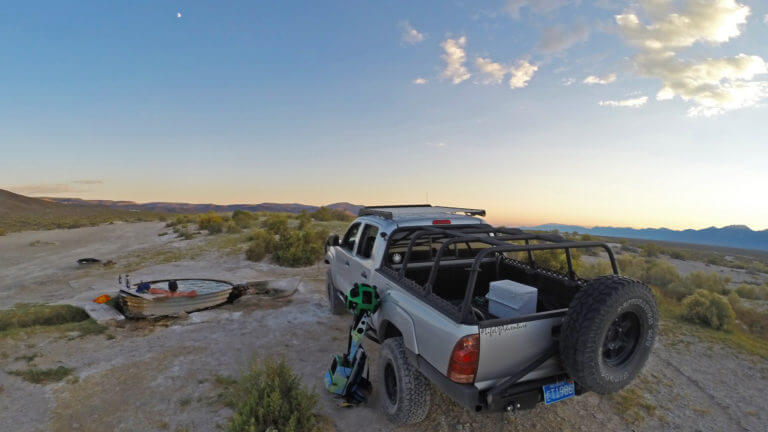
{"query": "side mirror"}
(333, 240)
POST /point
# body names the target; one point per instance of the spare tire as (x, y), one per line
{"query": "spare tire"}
(608, 333)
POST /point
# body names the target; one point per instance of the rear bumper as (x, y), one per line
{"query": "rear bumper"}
(517, 396)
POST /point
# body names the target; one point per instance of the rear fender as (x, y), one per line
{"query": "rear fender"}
(390, 319)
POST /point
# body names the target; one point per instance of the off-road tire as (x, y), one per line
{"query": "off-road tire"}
(412, 395)
(335, 305)
(598, 312)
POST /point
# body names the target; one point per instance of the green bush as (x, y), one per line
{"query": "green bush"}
(631, 266)
(709, 309)
(27, 315)
(755, 321)
(300, 248)
(752, 292)
(660, 273)
(3, 232)
(233, 228)
(651, 250)
(709, 281)
(242, 218)
(271, 398)
(554, 260)
(325, 214)
(591, 270)
(212, 223)
(276, 223)
(304, 220)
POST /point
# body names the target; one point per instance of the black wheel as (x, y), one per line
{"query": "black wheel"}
(405, 391)
(608, 333)
(335, 304)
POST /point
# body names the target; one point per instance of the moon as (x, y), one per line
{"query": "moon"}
(178, 14)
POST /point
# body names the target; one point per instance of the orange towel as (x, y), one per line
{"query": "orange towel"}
(102, 299)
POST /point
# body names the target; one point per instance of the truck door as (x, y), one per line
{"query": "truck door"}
(343, 278)
(363, 264)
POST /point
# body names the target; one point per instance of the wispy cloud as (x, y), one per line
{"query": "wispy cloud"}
(713, 85)
(420, 81)
(493, 72)
(513, 7)
(568, 81)
(88, 182)
(437, 144)
(559, 38)
(626, 103)
(603, 80)
(455, 58)
(410, 34)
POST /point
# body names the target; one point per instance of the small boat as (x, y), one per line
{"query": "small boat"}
(210, 293)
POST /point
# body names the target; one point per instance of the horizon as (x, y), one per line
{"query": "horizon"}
(492, 220)
(597, 113)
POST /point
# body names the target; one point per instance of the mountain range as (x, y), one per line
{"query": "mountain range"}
(176, 207)
(736, 236)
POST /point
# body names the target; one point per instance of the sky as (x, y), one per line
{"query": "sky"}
(642, 113)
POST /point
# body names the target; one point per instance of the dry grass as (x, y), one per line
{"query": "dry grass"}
(43, 376)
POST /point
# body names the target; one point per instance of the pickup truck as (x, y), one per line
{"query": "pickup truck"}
(432, 268)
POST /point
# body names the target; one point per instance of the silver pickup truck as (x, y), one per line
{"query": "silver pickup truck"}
(433, 268)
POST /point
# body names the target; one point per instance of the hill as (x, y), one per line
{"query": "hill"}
(182, 208)
(735, 236)
(22, 213)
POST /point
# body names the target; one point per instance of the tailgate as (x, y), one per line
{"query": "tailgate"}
(508, 346)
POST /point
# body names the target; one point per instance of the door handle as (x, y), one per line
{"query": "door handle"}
(364, 275)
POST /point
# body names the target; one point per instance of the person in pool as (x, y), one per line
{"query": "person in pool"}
(173, 291)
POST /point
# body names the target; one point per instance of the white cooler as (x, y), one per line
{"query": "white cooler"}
(508, 299)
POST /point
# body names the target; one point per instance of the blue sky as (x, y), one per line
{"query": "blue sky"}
(316, 102)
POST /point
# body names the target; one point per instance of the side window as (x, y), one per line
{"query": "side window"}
(349, 238)
(367, 240)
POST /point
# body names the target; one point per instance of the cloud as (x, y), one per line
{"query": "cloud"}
(494, 73)
(558, 38)
(603, 80)
(437, 145)
(520, 75)
(513, 7)
(568, 81)
(410, 34)
(713, 21)
(712, 85)
(88, 182)
(765, 19)
(420, 81)
(626, 103)
(455, 59)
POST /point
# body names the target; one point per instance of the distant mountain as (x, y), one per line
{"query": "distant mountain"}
(174, 207)
(21, 213)
(737, 236)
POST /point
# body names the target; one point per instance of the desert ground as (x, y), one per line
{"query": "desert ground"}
(164, 375)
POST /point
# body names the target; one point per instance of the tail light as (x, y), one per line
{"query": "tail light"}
(463, 365)
(441, 222)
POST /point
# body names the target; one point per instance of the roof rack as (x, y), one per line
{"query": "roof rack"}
(390, 211)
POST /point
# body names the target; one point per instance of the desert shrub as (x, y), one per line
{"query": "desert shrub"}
(212, 223)
(233, 228)
(271, 397)
(3, 232)
(181, 220)
(28, 315)
(242, 218)
(554, 259)
(262, 243)
(300, 248)
(752, 292)
(631, 266)
(709, 281)
(43, 376)
(304, 220)
(755, 321)
(255, 252)
(660, 273)
(591, 270)
(678, 290)
(325, 214)
(650, 250)
(678, 254)
(709, 309)
(276, 223)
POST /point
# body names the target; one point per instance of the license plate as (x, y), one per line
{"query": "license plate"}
(558, 391)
